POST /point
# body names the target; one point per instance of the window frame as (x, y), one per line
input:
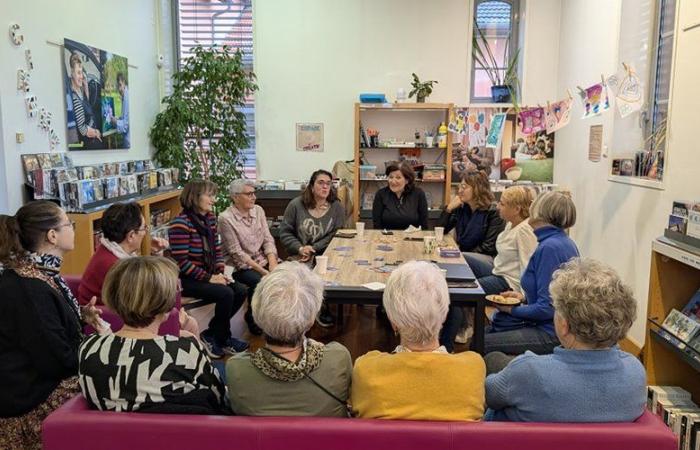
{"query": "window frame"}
(515, 14)
(650, 124)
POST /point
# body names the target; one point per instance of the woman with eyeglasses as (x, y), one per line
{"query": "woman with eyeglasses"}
(473, 214)
(40, 322)
(195, 245)
(124, 228)
(246, 240)
(310, 222)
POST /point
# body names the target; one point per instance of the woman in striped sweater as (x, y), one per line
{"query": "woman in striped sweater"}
(195, 245)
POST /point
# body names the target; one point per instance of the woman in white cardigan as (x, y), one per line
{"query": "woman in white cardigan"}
(514, 245)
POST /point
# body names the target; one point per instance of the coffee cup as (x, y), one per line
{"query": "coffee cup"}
(360, 228)
(428, 244)
(439, 233)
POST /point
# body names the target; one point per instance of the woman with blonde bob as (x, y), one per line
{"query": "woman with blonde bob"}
(530, 326)
(514, 245)
(419, 380)
(291, 375)
(135, 369)
(588, 378)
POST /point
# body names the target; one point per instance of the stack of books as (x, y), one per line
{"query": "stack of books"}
(674, 406)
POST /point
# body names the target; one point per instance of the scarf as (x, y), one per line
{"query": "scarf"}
(281, 369)
(201, 224)
(47, 268)
(115, 249)
(470, 227)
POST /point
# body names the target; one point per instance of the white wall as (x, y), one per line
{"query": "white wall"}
(314, 57)
(617, 222)
(127, 27)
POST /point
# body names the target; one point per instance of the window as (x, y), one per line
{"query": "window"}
(498, 21)
(221, 22)
(660, 77)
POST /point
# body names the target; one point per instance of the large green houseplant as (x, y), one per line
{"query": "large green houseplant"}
(202, 130)
(501, 80)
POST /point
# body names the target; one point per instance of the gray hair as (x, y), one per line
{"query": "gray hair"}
(286, 302)
(554, 208)
(237, 185)
(597, 305)
(416, 301)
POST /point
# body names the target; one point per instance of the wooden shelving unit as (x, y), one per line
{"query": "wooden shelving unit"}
(86, 223)
(674, 278)
(400, 121)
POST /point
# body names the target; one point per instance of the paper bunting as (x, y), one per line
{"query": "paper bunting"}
(532, 120)
(557, 115)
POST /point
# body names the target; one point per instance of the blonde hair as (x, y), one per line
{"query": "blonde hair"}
(554, 208)
(518, 197)
(416, 301)
(597, 305)
(138, 289)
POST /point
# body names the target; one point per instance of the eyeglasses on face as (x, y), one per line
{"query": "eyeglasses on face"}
(250, 194)
(70, 223)
(324, 183)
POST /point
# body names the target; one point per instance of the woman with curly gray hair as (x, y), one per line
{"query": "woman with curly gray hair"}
(588, 378)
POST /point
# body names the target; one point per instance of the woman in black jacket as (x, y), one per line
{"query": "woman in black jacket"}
(40, 322)
(401, 203)
(474, 216)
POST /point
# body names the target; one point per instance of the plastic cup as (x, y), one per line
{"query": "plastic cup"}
(428, 244)
(321, 265)
(360, 227)
(439, 233)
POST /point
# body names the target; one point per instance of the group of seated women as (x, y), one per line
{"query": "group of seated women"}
(574, 312)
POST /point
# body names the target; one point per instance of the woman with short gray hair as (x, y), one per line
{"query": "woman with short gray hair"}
(420, 380)
(594, 310)
(291, 375)
(246, 241)
(530, 326)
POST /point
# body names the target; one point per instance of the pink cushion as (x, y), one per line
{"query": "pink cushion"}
(75, 427)
(171, 326)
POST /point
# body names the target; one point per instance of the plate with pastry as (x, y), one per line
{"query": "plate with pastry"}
(501, 300)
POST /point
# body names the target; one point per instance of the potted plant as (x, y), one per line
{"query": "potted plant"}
(421, 90)
(202, 130)
(505, 87)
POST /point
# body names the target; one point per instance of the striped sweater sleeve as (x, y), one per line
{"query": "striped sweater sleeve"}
(179, 234)
(219, 252)
(79, 113)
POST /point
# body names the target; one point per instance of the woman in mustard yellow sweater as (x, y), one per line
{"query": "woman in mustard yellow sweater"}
(419, 380)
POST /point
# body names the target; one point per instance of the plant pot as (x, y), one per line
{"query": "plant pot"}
(420, 99)
(500, 93)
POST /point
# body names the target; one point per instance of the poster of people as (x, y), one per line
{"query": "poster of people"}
(518, 156)
(97, 97)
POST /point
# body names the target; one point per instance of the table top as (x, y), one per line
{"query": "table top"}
(344, 272)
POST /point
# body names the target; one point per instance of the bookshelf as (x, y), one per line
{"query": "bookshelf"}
(674, 278)
(87, 223)
(400, 121)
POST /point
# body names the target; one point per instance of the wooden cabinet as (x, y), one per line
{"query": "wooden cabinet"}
(400, 121)
(87, 223)
(674, 278)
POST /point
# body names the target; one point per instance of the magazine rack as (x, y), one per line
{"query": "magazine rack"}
(674, 278)
(86, 223)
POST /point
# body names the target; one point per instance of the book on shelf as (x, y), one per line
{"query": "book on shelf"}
(656, 393)
(679, 327)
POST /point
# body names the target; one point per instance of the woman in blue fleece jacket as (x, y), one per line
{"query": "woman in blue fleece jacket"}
(530, 326)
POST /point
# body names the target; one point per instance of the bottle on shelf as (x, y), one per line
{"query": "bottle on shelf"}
(442, 136)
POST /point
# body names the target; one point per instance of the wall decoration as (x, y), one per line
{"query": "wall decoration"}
(498, 121)
(629, 95)
(458, 121)
(30, 101)
(476, 127)
(595, 100)
(595, 143)
(557, 114)
(23, 80)
(28, 58)
(97, 97)
(309, 137)
(532, 120)
(16, 36)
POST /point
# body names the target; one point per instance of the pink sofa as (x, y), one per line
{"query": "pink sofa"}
(75, 427)
(171, 326)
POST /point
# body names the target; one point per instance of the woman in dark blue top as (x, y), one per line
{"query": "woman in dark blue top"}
(530, 326)
(474, 216)
(401, 203)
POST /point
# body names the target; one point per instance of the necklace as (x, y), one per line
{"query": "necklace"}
(286, 351)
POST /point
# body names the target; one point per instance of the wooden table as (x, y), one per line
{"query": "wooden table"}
(345, 277)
